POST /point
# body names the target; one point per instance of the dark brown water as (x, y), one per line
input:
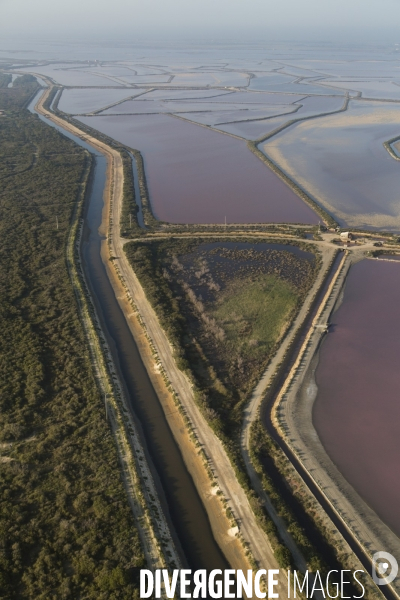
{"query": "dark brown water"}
(357, 410)
(196, 175)
(187, 512)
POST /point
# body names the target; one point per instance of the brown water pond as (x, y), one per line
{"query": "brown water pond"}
(196, 175)
(357, 410)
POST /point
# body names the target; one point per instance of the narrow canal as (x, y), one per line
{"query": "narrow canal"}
(187, 514)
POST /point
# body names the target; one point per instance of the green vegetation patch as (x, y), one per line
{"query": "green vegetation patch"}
(225, 305)
(66, 529)
(129, 225)
(254, 314)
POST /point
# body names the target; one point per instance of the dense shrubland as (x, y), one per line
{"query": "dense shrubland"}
(19, 95)
(66, 530)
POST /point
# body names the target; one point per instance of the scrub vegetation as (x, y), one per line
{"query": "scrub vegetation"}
(313, 532)
(5, 80)
(20, 94)
(225, 306)
(129, 222)
(66, 530)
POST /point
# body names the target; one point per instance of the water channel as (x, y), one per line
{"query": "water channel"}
(187, 514)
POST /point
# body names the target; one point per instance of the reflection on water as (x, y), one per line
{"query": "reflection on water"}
(343, 163)
(357, 410)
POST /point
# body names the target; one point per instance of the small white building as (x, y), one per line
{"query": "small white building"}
(346, 236)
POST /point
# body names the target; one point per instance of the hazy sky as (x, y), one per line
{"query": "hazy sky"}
(314, 19)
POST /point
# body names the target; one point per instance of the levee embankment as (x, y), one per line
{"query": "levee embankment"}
(158, 545)
(292, 417)
(142, 319)
(219, 463)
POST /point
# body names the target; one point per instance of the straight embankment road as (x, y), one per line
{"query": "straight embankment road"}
(227, 481)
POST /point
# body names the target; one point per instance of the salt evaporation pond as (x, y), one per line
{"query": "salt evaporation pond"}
(159, 79)
(145, 105)
(196, 175)
(357, 410)
(341, 161)
(264, 83)
(259, 98)
(185, 94)
(253, 130)
(371, 89)
(75, 101)
(221, 117)
(352, 67)
(212, 79)
(64, 74)
(307, 107)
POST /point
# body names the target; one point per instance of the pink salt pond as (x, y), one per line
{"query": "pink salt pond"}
(196, 175)
(357, 410)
